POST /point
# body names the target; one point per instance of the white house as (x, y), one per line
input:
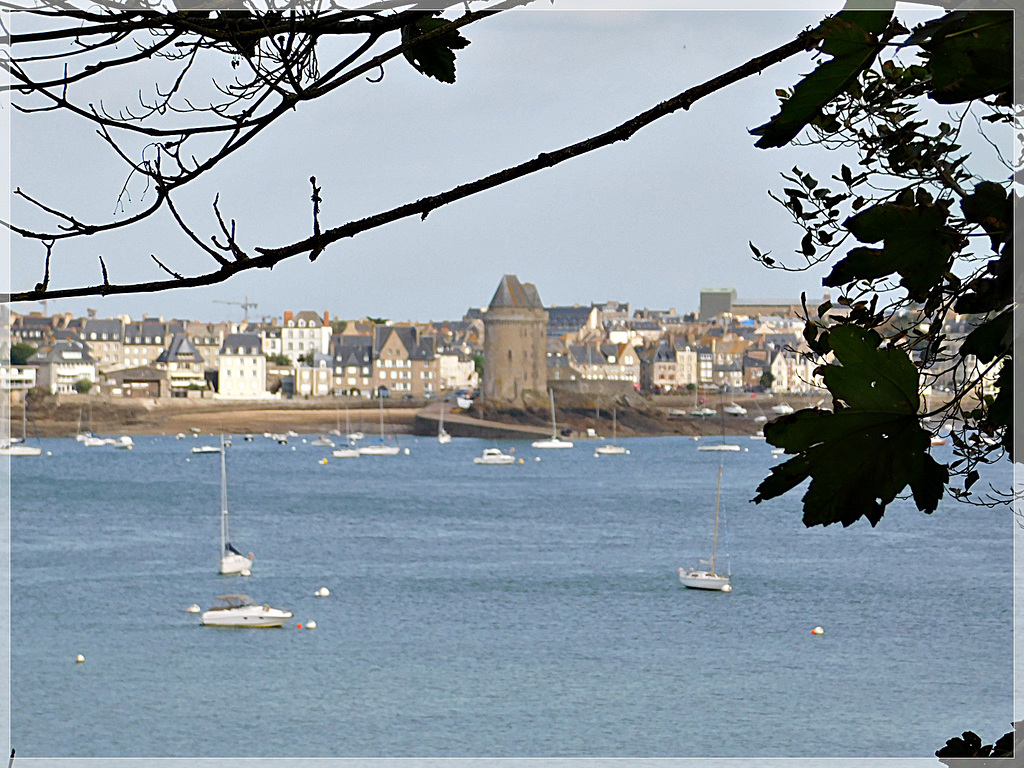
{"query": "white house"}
(242, 372)
(61, 365)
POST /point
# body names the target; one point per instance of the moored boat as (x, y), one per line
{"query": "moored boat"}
(243, 611)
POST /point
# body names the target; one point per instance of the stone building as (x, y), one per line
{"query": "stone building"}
(515, 336)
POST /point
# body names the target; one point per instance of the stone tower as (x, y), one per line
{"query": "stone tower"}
(515, 342)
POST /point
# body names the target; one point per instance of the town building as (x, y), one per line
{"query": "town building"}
(243, 368)
(305, 333)
(515, 349)
(61, 365)
(404, 362)
(184, 366)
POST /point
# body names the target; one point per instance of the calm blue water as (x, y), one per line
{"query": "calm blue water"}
(526, 610)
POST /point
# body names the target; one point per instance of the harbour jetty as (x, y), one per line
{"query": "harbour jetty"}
(637, 416)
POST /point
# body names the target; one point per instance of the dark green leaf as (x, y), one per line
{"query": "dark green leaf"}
(990, 206)
(990, 339)
(851, 38)
(858, 458)
(434, 57)
(969, 55)
(918, 245)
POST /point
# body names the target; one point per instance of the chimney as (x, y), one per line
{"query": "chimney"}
(288, 316)
(327, 317)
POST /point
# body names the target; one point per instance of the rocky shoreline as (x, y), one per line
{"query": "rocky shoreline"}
(636, 415)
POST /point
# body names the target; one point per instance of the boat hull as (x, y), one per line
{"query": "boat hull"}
(345, 453)
(695, 579)
(552, 444)
(719, 447)
(610, 450)
(20, 450)
(379, 450)
(234, 564)
(256, 616)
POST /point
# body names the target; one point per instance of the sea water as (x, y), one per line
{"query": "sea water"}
(524, 610)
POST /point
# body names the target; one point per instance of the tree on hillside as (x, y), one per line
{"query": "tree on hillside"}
(922, 234)
(21, 352)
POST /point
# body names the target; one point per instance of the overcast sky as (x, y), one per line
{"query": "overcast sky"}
(651, 221)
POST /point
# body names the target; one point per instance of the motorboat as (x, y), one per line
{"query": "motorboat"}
(554, 441)
(783, 409)
(733, 409)
(243, 611)
(718, 447)
(205, 449)
(124, 443)
(494, 456)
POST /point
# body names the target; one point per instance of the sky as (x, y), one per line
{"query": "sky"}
(650, 221)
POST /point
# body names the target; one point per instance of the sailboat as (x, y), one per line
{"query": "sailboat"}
(12, 448)
(696, 578)
(231, 560)
(442, 437)
(349, 451)
(554, 441)
(611, 449)
(379, 449)
(722, 446)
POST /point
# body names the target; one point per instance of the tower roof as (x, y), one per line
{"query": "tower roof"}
(512, 293)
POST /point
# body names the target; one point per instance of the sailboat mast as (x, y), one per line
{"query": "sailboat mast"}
(554, 426)
(714, 545)
(223, 498)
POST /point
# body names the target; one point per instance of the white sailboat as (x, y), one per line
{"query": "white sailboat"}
(611, 449)
(697, 578)
(231, 560)
(554, 441)
(11, 448)
(349, 451)
(442, 437)
(381, 448)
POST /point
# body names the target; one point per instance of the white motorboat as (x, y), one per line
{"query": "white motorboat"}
(231, 560)
(494, 456)
(205, 449)
(708, 578)
(732, 409)
(243, 611)
(611, 449)
(718, 447)
(124, 443)
(554, 441)
(784, 409)
(381, 448)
